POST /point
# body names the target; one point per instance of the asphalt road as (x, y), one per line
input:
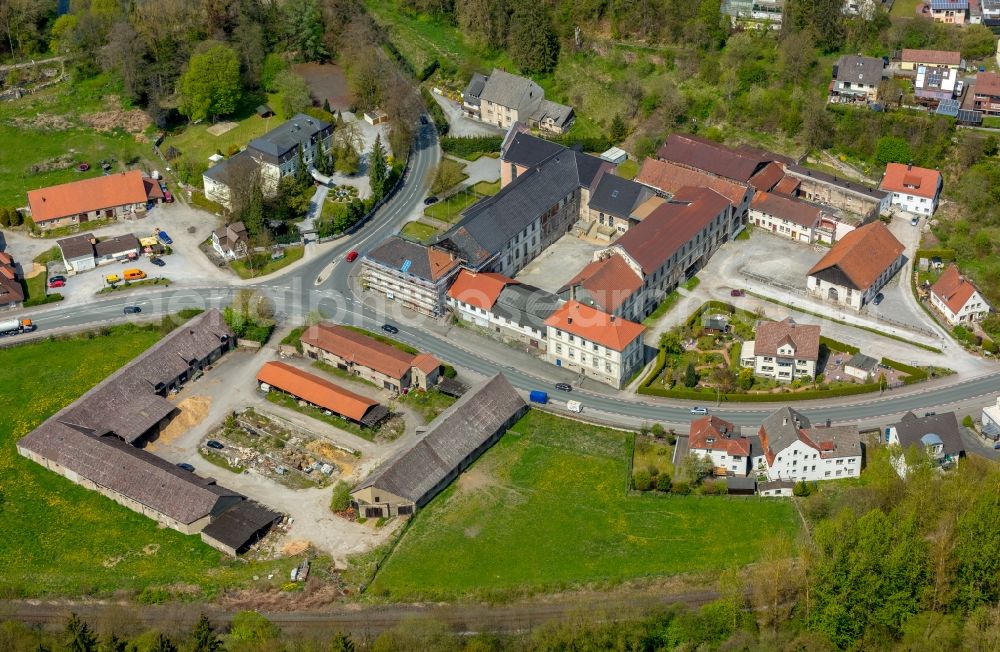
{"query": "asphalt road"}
(323, 285)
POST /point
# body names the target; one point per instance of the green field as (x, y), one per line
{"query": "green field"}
(60, 538)
(450, 210)
(905, 8)
(546, 508)
(486, 188)
(264, 264)
(418, 231)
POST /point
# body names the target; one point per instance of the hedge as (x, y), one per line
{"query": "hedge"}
(471, 148)
(41, 301)
(838, 346)
(916, 374)
(437, 113)
(695, 394)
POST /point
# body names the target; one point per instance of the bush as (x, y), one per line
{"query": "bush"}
(40, 301)
(671, 438)
(642, 481)
(657, 431)
(449, 371)
(680, 488)
(341, 499)
(663, 482)
(967, 422)
(437, 114)
(801, 489)
(471, 148)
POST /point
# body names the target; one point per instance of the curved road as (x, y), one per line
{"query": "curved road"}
(323, 285)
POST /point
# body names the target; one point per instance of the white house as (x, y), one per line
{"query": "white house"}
(915, 190)
(937, 434)
(795, 450)
(958, 299)
(856, 267)
(857, 78)
(789, 218)
(991, 421)
(862, 367)
(783, 350)
(606, 348)
(721, 442)
(230, 240)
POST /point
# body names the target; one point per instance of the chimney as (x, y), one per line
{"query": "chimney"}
(784, 421)
(569, 320)
(909, 166)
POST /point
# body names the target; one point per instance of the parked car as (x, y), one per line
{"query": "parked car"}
(914, 221)
(57, 282)
(698, 410)
(167, 197)
(164, 238)
(132, 310)
(996, 446)
(157, 261)
(351, 256)
(564, 387)
(211, 443)
(186, 467)
(430, 200)
(423, 119)
(929, 414)
(959, 87)
(736, 293)
(389, 328)
(878, 299)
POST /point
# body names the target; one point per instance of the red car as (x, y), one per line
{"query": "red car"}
(167, 197)
(736, 293)
(352, 256)
(57, 282)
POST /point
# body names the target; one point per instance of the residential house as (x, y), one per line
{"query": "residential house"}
(108, 197)
(914, 189)
(783, 350)
(958, 299)
(510, 310)
(789, 218)
(414, 275)
(936, 434)
(991, 421)
(862, 367)
(11, 292)
(986, 93)
(668, 178)
(94, 440)
(270, 158)
(950, 12)
(776, 489)
(990, 9)
(230, 240)
(831, 190)
(721, 442)
(78, 252)
(381, 364)
(761, 14)
(115, 249)
(471, 104)
(795, 450)
(606, 348)
(520, 151)
(857, 78)
(856, 267)
(610, 285)
(934, 84)
(613, 202)
(506, 99)
(451, 443)
(321, 393)
(913, 59)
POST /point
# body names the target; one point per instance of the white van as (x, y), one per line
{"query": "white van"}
(574, 406)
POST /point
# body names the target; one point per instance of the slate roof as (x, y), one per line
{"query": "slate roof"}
(116, 245)
(316, 390)
(793, 210)
(911, 428)
(702, 154)
(859, 70)
(237, 526)
(771, 335)
(86, 195)
(603, 284)
(560, 114)
(670, 177)
(448, 443)
(422, 261)
(953, 289)
(617, 196)
(221, 171)
(526, 305)
(594, 325)
(522, 148)
(834, 441)
(286, 137)
(77, 246)
(829, 179)
(359, 349)
(863, 362)
(780, 430)
(510, 90)
(860, 257)
(474, 89)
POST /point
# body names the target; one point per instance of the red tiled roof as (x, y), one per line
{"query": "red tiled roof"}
(724, 436)
(768, 176)
(87, 195)
(609, 282)
(7, 272)
(670, 177)
(318, 391)
(863, 254)
(952, 289)
(772, 335)
(792, 210)
(987, 83)
(426, 363)
(670, 226)
(911, 180)
(787, 185)
(153, 189)
(595, 326)
(702, 154)
(478, 289)
(5, 258)
(359, 349)
(933, 57)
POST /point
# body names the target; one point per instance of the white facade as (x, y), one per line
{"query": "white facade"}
(784, 228)
(914, 203)
(991, 420)
(799, 461)
(849, 297)
(975, 309)
(486, 319)
(721, 459)
(784, 366)
(594, 360)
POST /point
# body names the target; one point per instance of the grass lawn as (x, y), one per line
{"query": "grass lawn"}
(133, 285)
(546, 508)
(60, 538)
(450, 210)
(665, 305)
(291, 255)
(199, 200)
(628, 169)
(428, 404)
(905, 8)
(195, 143)
(35, 286)
(651, 453)
(486, 188)
(418, 231)
(691, 283)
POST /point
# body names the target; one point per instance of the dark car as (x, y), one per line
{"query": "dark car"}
(164, 238)
(132, 310)
(929, 414)
(186, 467)
(736, 293)
(430, 200)
(564, 387)
(423, 119)
(389, 328)
(878, 298)
(211, 443)
(158, 262)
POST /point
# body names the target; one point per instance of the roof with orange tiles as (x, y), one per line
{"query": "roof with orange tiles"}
(787, 186)
(712, 433)
(10, 288)
(911, 180)
(772, 335)
(670, 177)
(606, 283)
(87, 195)
(5, 258)
(987, 83)
(426, 363)
(786, 208)
(860, 257)
(702, 154)
(318, 391)
(478, 289)
(595, 326)
(953, 289)
(768, 177)
(359, 349)
(932, 57)
(655, 239)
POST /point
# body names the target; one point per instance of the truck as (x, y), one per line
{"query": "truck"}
(538, 396)
(574, 406)
(15, 327)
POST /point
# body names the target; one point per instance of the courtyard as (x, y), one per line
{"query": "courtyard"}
(559, 263)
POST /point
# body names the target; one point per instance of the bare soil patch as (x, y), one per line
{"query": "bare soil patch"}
(221, 128)
(326, 82)
(46, 121)
(474, 479)
(294, 547)
(134, 121)
(327, 451)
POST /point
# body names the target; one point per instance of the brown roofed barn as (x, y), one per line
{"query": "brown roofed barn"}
(857, 266)
(104, 197)
(322, 393)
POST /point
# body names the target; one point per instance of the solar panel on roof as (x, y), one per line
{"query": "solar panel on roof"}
(968, 116)
(405, 267)
(948, 108)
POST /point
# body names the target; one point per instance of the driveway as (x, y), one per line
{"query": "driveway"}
(461, 126)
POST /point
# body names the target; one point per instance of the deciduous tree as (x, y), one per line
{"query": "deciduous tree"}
(294, 93)
(211, 84)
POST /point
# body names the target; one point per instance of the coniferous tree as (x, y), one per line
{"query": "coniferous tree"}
(378, 170)
(203, 638)
(79, 636)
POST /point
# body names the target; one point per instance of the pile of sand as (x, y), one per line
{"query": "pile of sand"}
(193, 411)
(345, 461)
(294, 547)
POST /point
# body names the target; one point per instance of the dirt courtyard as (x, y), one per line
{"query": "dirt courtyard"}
(326, 82)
